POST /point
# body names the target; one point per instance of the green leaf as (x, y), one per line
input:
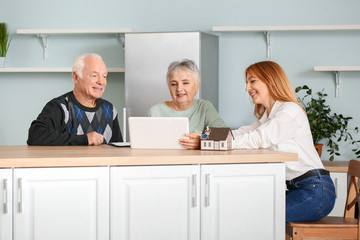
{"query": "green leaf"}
(4, 39)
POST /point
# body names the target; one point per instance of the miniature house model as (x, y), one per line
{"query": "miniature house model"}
(214, 138)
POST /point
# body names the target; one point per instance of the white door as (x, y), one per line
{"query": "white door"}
(155, 203)
(61, 203)
(243, 201)
(5, 204)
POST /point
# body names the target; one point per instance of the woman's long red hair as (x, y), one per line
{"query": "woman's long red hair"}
(277, 82)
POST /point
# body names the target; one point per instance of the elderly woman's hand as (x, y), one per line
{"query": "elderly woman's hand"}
(193, 141)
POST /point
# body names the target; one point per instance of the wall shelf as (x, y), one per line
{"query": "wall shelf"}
(268, 29)
(284, 28)
(44, 34)
(50, 70)
(336, 70)
(73, 31)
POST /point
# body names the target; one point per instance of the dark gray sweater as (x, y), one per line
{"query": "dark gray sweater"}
(64, 121)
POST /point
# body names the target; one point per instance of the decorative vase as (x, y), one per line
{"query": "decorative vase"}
(2, 62)
(319, 149)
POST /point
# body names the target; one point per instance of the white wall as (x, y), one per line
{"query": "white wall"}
(23, 95)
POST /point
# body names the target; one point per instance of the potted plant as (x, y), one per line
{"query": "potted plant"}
(325, 125)
(4, 42)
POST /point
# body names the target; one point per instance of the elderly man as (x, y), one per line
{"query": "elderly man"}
(79, 117)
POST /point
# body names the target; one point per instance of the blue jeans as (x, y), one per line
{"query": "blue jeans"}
(310, 199)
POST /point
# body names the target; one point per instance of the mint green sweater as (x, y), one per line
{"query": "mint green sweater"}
(201, 114)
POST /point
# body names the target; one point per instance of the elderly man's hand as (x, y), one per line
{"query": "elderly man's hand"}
(95, 138)
(193, 142)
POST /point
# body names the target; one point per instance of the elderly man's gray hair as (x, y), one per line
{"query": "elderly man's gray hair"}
(186, 65)
(79, 62)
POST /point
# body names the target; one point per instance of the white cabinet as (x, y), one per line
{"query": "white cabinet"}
(61, 203)
(245, 201)
(5, 204)
(193, 202)
(163, 202)
(155, 202)
(340, 180)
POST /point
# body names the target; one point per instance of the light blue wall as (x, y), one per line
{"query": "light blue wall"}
(24, 94)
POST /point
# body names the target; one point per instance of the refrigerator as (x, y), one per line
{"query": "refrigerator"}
(147, 57)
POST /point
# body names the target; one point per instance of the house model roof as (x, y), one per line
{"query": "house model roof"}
(217, 134)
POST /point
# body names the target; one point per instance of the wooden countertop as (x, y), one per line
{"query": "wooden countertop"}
(105, 155)
(337, 166)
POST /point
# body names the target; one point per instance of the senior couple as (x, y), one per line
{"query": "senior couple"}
(82, 117)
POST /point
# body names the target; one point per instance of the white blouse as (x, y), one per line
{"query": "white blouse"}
(286, 129)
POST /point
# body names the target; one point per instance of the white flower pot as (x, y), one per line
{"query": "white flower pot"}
(2, 62)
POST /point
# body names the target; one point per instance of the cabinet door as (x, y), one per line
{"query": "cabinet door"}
(5, 204)
(243, 201)
(61, 203)
(341, 186)
(155, 202)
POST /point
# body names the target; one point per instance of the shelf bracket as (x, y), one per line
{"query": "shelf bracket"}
(44, 38)
(121, 37)
(268, 44)
(337, 82)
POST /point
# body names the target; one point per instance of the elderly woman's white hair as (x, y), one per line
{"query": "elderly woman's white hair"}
(79, 62)
(186, 65)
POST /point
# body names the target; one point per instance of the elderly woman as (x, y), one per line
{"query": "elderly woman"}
(183, 79)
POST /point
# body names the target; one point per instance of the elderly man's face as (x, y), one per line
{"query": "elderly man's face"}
(93, 81)
(183, 87)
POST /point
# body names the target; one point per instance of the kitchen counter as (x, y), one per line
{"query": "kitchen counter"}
(336, 166)
(140, 186)
(105, 155)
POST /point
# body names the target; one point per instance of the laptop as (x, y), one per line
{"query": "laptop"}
(157, 132)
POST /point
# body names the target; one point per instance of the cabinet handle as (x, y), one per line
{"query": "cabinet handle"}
(20, 195)
(207, 190)
(336, 187)
(5, 196)
(194, 185)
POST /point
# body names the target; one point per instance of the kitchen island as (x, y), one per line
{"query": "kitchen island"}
(107, 192)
